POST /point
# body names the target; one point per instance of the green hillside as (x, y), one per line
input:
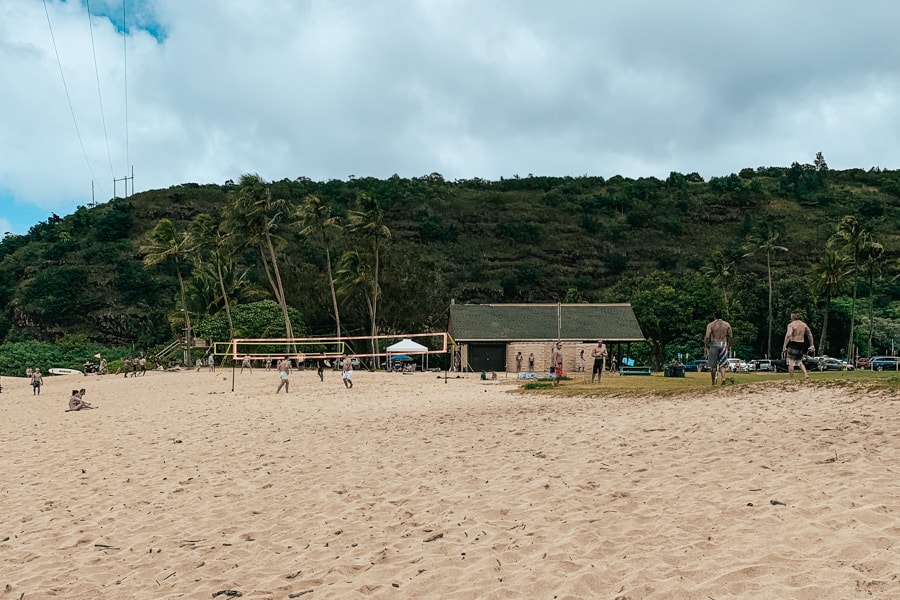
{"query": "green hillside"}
(676, 249)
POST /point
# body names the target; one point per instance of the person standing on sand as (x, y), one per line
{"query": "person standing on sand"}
(718, 340)
(531, 362)
(599, 355)
(211, 361)
(37, 380)
(284, 369)
(245, 364)
(797, 341)
(519, 362)
(320, 369)
(557, 361)
(347, 371)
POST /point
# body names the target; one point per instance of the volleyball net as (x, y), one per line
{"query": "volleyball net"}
(329, 348)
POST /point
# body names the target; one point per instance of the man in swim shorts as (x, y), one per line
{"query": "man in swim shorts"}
(599, 354)
(347, 371)
(718, 340)
(797, 340)
(284, 369)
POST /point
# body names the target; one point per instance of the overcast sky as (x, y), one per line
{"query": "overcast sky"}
(206, 90)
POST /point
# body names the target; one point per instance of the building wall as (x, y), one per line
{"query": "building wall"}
(541, 350)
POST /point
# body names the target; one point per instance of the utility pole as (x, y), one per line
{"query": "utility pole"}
(125, 180)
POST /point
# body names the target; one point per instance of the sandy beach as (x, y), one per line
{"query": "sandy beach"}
(413, 486)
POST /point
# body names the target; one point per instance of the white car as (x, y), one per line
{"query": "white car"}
(736, 365)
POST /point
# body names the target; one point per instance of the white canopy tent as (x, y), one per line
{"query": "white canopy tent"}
(407, 346)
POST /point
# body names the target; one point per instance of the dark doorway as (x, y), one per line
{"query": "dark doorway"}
(487, 357)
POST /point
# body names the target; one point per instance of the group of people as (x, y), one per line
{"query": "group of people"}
(135, 366)
(798, 340)
(285, 366)
(599, 354)
(520, 358)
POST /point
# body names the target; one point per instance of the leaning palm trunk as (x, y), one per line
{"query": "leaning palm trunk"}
(851, 345)
(224, 296)
(337, 315)
(280, 292)
(188, 344)
(871, 319)
(769, 271)
(822, 338)
(375, 308)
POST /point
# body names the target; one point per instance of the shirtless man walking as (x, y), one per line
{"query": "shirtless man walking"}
(718, 340)
(556, 358)
(797, 340)
(284, 370)
(347, 371)
(599, 354)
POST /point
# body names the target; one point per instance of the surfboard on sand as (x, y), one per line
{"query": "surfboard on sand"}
(61, 371)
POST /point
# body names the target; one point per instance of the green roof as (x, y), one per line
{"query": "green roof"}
(521, 322)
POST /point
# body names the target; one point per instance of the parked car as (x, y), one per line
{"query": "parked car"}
(885, 363)
(736, 365)
(833, 364)
(697, 366)
(761, 365)
(810, 362)
(862, 363)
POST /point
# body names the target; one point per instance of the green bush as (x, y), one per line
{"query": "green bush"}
(71, 352)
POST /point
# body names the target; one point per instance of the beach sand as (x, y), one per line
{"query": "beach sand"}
(413, 486)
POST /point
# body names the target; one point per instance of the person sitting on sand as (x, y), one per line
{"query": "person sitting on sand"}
(76, 402)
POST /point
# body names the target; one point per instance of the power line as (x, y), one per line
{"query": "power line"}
(68, 98)
(99, 94)
(125, 59)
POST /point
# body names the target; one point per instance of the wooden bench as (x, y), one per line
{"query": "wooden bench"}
(634, 370)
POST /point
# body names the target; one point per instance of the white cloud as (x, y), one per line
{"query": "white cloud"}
(467, 88)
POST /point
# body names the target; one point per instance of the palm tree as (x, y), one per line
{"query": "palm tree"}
(368, 220)
(764, 239)
(252, 219)
(719, 270)
(851, 237)
(831, 279)
(209, 240)
(317, 217)
(872, 265)
(166, 244)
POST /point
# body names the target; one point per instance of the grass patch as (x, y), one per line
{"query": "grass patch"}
(700, 383)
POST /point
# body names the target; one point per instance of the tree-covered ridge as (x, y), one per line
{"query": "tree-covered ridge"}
(387, 256)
